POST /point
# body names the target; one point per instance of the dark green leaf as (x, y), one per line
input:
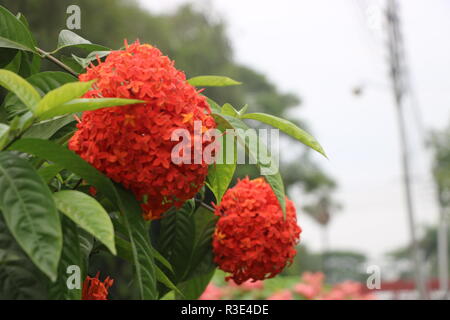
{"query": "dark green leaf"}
(30, 213)
(13, 33)
(71, 255)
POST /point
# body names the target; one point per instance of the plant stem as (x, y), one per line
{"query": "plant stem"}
(204, 205)
(48, 56)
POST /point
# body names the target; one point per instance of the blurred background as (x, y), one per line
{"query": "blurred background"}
(370, 79)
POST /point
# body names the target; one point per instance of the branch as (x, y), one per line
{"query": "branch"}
(48, 56)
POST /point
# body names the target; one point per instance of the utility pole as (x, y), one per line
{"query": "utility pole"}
(397, 73)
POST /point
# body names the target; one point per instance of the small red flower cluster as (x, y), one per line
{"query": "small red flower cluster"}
(252, 240)
(94, 289)
(132, 144)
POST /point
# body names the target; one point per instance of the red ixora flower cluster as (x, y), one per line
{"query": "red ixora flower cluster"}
(132, 144)
(252, 240)
(94, 289)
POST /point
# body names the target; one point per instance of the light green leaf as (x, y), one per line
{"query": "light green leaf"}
(30, 213)
(193, 288)
(229, 110)
(80, 105)
(43, 82)
(212, 81)
(288, 128)
(4, 134)
(68, 39)
(13, 33)
(57, 97)
(88, 214)
(20, 87)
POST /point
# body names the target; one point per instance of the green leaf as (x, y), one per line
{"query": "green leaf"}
(30, 213)
(71, 255)
(143, 260)
(13, 33)
(49, 172)
(4, 134)
(276, 182)
(43, 82)
(20, 87)
(85, 62)
(193, 288)
(288, 128)
(68, 39)
(221, 174)
(88, 214)
(19, 277)
(215, 108)
(229, 110)
(185, 240)
(123, 200)
(79, 105)
(177, 238)
(57, 97)
(47, 128)
(212, 81)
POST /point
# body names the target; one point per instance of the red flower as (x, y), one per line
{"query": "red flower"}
(132, 144)
(94, 289)
(252, 240)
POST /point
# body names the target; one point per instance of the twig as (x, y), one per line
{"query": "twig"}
(204, 205)
(48, 56)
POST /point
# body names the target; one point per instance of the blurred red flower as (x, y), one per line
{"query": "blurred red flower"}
(94, 289)
(132, 144)
(281, 295)
(211, 292)
(252, 241)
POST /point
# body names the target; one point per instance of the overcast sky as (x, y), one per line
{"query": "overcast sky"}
(320, 50)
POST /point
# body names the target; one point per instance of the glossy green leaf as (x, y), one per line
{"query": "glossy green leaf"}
(88, 214)
(57, 97)
(288, 128)
(80, 105)
(212, 81)
(13, 33)
(68, 39)
(30, 212)
(20, 87)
